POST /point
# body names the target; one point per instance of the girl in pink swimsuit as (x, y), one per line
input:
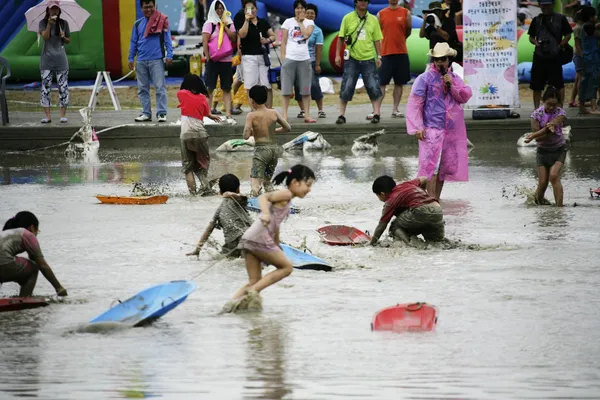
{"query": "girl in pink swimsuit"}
(260, 242)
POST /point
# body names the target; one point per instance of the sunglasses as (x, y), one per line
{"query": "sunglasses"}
(440, 59)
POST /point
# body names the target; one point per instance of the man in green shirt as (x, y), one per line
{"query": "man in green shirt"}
(362, 34)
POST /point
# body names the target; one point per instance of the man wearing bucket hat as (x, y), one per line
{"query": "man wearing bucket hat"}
(437, 28)
(549, 32)
(434, 114)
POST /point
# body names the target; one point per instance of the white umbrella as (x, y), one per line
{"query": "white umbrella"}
(71, 12)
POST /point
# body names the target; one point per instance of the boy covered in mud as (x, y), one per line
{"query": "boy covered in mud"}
(231, 216)
(261, 123)
(416, 211)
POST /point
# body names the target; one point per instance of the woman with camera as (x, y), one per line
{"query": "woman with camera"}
(438, 28)
(255, 36)
(53, 60)
(434, 114)
(296, 68)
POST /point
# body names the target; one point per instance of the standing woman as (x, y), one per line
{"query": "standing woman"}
(218, 41)
(434, 114)
(20, 235)
(53, 60)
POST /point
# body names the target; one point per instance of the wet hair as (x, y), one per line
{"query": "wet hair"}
(585, 14)
(229, 183)
(142, 2)
(299, 3)
(194, 84)
(58, 20)
(245, 2)
(298, 172)
(550, 93)
(314, 8)
(23, 219)
(589, 28)
(384, 184)
(259, 94)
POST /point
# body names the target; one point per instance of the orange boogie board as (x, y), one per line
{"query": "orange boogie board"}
(342, 235)
(415, 317)
(132, 199)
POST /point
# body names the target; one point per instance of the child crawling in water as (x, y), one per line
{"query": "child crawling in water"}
(231, 216)
(261, 244)
(546, 124)
(261, 123)
(417, 213)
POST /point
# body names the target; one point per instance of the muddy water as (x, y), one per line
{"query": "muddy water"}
(519, 318)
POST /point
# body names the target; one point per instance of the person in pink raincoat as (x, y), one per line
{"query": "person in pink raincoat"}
(434, 114)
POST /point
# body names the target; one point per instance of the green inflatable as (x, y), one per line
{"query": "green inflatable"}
(525, 48)
(85, 52)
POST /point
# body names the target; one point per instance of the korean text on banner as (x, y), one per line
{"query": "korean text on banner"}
(490, 52)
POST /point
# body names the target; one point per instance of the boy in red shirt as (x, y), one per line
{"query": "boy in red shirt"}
(415, 210)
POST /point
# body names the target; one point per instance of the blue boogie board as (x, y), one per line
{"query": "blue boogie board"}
(253, 206)
(149, 304)
(303, 260)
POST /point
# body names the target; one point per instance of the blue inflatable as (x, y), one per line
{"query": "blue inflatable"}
(524, 72)
(331, 12)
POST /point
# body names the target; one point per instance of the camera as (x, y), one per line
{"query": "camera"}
(430, 19)
(544, 45)
(348, 40)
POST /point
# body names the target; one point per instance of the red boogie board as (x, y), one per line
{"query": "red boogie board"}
(595, 192)
(342, 235)
(21, 303)
(415, 317)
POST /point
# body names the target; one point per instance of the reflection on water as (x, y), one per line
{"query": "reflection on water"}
(265, 359)
(519, 314)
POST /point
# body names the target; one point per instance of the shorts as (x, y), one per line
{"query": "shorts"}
(195, 155)
(315, 87)
(578, 61)
(546, 71)
(352, 69)
(395, 66)
(23, 271)
(230, 249)
(296, 72)
(215, 70)
(264, 161)
(426, 220)
(239, 72)
(255, 71)
(548, 157)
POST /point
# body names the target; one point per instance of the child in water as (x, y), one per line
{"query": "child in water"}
(417, 213)
(193, 101)
(20, 235)
(261, 124)
(261, 242)
(231, 216)
(546, 125)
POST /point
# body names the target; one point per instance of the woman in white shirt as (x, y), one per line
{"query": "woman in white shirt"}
(296, 66)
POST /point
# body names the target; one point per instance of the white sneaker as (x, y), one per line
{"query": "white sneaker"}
(162, 118)
(143, 118)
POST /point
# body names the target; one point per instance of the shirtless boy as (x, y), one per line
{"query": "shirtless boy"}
(261, 123)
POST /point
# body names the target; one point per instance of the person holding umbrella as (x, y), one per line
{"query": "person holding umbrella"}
(54, 20)
(53, 60)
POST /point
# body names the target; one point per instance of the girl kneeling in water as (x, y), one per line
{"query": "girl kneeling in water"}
(20, 235)
(260, 242)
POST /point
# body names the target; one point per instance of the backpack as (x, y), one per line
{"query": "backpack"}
(162, 36)
(548, 37)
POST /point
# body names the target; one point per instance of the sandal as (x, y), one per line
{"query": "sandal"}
(322, 114)
(370, 116)
(341, 120)
(573, 104)
(310, 121)
(375, 119)
(214, 111)
(45, 121)
(64, 120)
(397, 114)
(300, 114)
